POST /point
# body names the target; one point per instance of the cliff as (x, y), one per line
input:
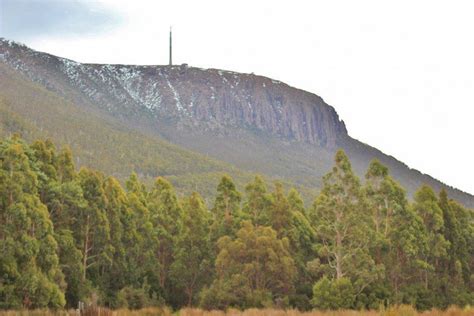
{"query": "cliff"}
(205, 98)
(253, 122)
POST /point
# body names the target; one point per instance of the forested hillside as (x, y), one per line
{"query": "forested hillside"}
(71, 235)
(34, 112)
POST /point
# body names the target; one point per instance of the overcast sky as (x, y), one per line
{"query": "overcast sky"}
(399, 73)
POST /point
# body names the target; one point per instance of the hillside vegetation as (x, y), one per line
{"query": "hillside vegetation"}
(34, 112)
(69, 236)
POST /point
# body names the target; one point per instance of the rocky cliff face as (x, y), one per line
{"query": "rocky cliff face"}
(204, 98)
(255, 123)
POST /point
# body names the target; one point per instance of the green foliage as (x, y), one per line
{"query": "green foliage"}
(30, 274)
(257, 203)
(92, 226)
(427, 208)
(136, 298)
(192, 265)
(166, 216)
(398, 235)
(341, 221)
(280, 213)
(103, 143)
(226, 209)
(333, 294)
(68, 236)
(253, 270)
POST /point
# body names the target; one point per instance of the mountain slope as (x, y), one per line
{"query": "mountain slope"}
(34, 112)
(252, 122)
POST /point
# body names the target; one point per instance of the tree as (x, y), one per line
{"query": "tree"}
(451, 233)
(302, 237)
(68, 236)
(45, 160)
(463, 248)
(192, 267)
(61, 192)
(30, 276)
(398, 231)
(253, 270)
(454, 268)
(280, 214)
(226, 209)
(70, 260)
(122, 238)
(341, 220)
(142, 252)
(258, 202)
(407, 239)
(381, 195)
(91, 226)
(166, 218)
(133, 185)
(301, 234)
(426, 206)
(384, 198)
(65, 165)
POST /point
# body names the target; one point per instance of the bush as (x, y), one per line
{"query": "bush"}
(333, 294)
(133, 298)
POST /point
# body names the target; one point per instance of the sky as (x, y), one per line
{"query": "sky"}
(399, 73)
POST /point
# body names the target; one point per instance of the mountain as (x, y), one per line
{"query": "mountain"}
(238, 123)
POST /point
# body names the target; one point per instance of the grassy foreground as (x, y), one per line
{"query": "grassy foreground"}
(403, 310)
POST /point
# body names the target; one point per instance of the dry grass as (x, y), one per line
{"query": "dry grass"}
(403, 310)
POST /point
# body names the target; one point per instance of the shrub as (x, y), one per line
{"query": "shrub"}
(333, 294)
(133, 298)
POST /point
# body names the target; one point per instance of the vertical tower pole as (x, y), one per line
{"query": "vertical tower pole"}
(171, 48)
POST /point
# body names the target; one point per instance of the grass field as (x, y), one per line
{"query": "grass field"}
(403, 310)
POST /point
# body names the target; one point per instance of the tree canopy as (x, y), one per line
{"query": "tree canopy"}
(69, 235)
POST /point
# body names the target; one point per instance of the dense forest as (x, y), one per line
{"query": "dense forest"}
(70, 235)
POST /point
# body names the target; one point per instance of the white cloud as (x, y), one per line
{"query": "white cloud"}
(27, 19)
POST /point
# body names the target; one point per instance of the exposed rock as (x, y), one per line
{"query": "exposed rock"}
(204, 98)
(256, 123)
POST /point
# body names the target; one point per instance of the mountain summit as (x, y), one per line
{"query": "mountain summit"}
(208, 98)
(252, 122)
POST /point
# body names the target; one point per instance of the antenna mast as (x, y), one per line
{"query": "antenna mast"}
(171, 47)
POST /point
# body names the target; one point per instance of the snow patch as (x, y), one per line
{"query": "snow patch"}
(72, 69)
(179, 106)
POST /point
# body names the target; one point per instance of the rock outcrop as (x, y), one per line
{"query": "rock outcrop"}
(254, 123)
(204, 98)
